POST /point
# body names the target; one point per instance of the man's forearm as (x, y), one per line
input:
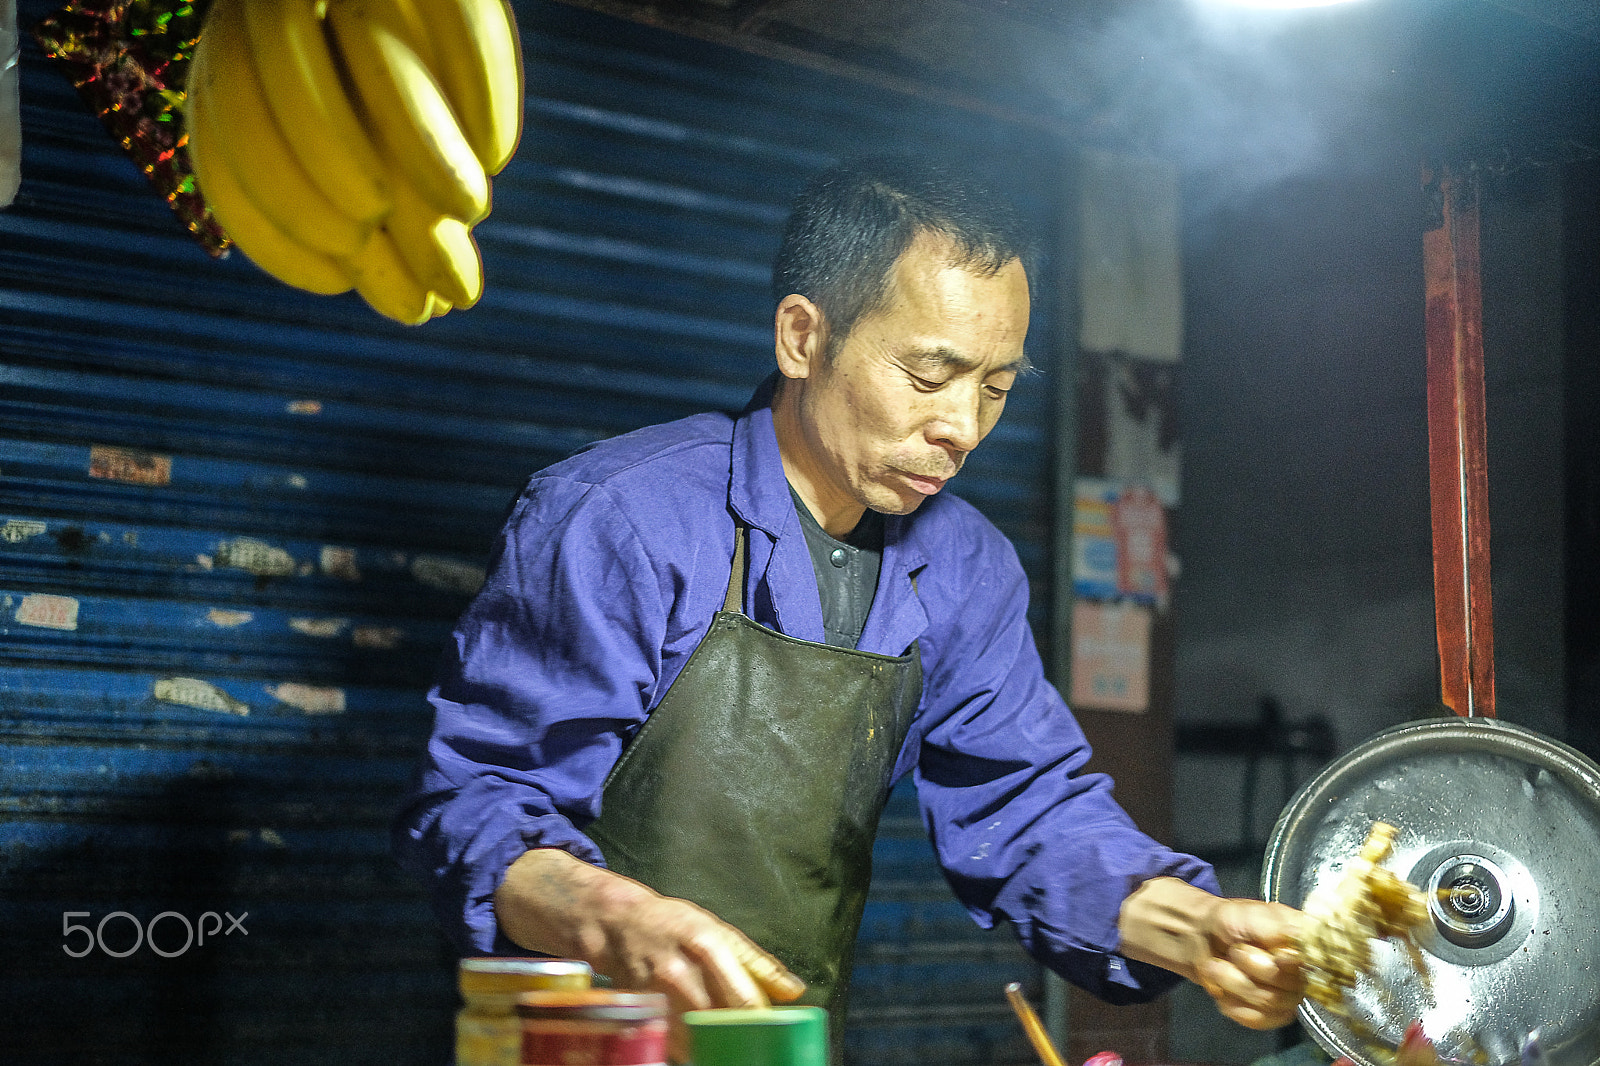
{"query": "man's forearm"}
(1238, 950)
(555, 903)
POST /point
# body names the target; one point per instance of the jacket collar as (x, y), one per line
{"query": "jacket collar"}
(758, 491)
(783, 581)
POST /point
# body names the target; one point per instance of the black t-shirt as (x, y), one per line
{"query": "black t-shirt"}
(847, 572)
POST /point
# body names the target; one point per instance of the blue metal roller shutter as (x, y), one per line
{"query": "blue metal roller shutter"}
(237, 521)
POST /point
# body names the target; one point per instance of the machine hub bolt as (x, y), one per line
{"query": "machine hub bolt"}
(1468, 900)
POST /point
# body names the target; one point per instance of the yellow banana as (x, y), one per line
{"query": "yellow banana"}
(464, 281)
(290, 47)
(415, 125)
(253, 233)
(478, 61)
(439, 249)
(405, 18)
(437, 305)
(246, 136)
(387, 285)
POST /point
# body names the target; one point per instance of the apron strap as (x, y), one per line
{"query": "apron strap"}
(733, 602)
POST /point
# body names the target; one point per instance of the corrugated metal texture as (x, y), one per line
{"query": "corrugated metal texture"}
(929, 984)
(236, 522)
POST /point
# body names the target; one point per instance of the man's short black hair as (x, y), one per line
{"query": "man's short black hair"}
(852, 221)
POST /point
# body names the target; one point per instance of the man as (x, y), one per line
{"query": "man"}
(673, 767)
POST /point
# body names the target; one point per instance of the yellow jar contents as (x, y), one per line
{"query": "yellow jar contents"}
(488, 1031)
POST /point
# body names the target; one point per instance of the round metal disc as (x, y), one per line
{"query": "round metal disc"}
(1503, 825)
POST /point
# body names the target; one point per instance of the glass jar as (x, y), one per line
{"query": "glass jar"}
(488, 1031)
(594, 1028)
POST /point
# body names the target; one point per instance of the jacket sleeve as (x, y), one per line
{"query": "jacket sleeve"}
(546, 677)
(1022, 833)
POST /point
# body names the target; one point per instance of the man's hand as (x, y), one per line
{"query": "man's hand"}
(556, 904)
(1251, 970)
(1239, 950)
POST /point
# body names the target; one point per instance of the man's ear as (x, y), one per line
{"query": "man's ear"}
(799, 334)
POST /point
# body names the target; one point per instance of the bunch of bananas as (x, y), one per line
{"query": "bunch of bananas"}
(349, 143)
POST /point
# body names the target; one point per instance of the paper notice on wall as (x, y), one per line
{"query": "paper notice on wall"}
(10, 104)
(1119, 543)
(1131, 268)
(1139, 525)
(1142, 426)
(1110, 657)
(1094, 542)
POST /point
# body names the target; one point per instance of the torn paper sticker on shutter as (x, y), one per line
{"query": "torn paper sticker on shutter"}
(324, 628)
(225, 619)
(256, 556)
(48, 612)
(274, 482)
(340, 563)
(378, 638)
(201, 695)
(312, 699)
(450, 575)
(17, 530)
(130, 464)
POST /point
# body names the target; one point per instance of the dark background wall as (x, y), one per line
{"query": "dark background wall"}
(1304, 533)
(1581, 452)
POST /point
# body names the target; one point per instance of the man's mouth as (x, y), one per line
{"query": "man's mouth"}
(924, 484)
(927, 474)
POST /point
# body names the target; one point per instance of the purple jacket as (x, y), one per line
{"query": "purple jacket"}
(605, 578)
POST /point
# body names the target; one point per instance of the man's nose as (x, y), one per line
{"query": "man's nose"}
(957, 424)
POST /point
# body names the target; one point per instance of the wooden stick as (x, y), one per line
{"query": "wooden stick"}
(1458, 461)
(1033, 1026)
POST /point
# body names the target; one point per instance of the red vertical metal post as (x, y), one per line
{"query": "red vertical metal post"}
(1458, 472)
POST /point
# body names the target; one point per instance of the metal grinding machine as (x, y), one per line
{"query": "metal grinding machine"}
(1497, 825)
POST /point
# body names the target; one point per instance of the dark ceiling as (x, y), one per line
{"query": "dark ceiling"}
(1512, 78)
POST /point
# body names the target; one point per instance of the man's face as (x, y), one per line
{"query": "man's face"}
(913, 389)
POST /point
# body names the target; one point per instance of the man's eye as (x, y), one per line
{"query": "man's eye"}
(995, 392)
(925, 385)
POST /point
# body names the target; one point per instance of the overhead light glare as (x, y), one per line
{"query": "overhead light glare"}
(1279, 5)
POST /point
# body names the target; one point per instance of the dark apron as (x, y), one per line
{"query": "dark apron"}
(755, 786)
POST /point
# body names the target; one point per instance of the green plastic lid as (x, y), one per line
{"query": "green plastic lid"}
(775, 1036)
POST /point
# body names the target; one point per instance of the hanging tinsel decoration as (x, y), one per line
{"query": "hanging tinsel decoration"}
(128, 59)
